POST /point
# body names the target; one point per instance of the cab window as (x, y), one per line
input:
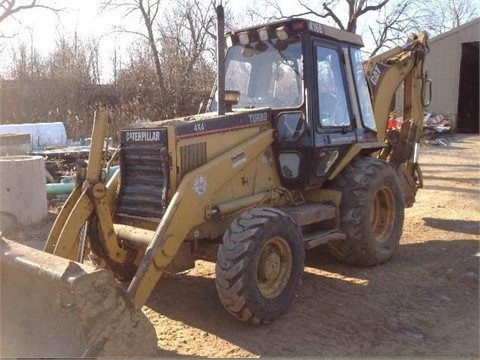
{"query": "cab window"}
(362, 89)
(332, 100)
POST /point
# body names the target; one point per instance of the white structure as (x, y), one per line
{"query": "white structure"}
(15, 144)
(23, 188)
(42, 134)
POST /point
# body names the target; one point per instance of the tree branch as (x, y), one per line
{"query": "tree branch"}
(310, 10)
(329, 13)
(10, 9)
(373, 7)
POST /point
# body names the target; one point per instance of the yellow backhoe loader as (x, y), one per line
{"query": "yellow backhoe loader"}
(292, 152)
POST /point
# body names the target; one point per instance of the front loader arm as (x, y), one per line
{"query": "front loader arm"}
(190, 206)
(62, 218)
(90, 196)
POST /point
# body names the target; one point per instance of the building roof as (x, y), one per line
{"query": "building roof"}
(456, 30)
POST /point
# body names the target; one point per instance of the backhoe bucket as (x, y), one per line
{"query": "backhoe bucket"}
(53, 307)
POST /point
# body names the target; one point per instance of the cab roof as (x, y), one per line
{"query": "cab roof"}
(300, 25)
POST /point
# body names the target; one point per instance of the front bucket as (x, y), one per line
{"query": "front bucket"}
(57, 308)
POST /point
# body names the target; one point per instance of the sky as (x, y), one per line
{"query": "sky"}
(42, 27)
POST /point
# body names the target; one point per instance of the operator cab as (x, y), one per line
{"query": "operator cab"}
(311, 76)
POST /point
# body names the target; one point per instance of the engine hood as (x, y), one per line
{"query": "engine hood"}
(209, 123)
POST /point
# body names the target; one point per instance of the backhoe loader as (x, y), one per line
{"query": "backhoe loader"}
(292, 152)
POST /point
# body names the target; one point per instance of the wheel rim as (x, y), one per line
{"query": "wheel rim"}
(274, 267)
(383, 214)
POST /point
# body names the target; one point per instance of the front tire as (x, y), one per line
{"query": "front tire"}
(259, 265)
(372, 212)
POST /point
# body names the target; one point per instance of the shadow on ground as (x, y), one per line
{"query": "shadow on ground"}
(406, 307)
(460, 226)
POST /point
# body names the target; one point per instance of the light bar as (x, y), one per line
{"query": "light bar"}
(282, 33)
(229, 40)
(263, 34)
(243, 38)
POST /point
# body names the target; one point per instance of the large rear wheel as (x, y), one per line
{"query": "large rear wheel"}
(259, 265)
(371, 211)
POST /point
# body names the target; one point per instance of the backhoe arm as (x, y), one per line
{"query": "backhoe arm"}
(385, 73)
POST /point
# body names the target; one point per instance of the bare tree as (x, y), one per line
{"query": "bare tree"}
(93, 55)
(188, 45)
(398, 18)
(349, 20)
(267, 10)
(394, 22)
(355, 10)
(393, 17)
(443, 15)
(61, 86)
(148, 10)
(12, 7)
(180, 36)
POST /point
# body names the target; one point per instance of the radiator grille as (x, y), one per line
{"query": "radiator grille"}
(143, 179)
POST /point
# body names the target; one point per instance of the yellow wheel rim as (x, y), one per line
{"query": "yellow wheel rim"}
(382, 214)
(274, 267)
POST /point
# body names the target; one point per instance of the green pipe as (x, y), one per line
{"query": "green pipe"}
(60, 188)
(66, 186)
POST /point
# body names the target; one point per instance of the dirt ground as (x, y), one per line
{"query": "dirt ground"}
(424, 302)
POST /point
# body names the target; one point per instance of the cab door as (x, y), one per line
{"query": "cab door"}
(332, 117)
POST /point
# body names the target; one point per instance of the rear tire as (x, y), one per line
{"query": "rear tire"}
(372, 211)
(259, 265)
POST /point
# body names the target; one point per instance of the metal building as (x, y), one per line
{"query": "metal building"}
(453, 66)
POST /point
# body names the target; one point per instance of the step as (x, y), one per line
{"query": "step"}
(322, 237)
(310, 213)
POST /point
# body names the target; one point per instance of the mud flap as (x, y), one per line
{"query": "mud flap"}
(53, 307)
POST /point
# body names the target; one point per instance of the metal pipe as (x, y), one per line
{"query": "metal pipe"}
(241, 203)
(416, 153)
(60, 188)
(110, 171)
(65, 188)
(220, 60)
(134, 237)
